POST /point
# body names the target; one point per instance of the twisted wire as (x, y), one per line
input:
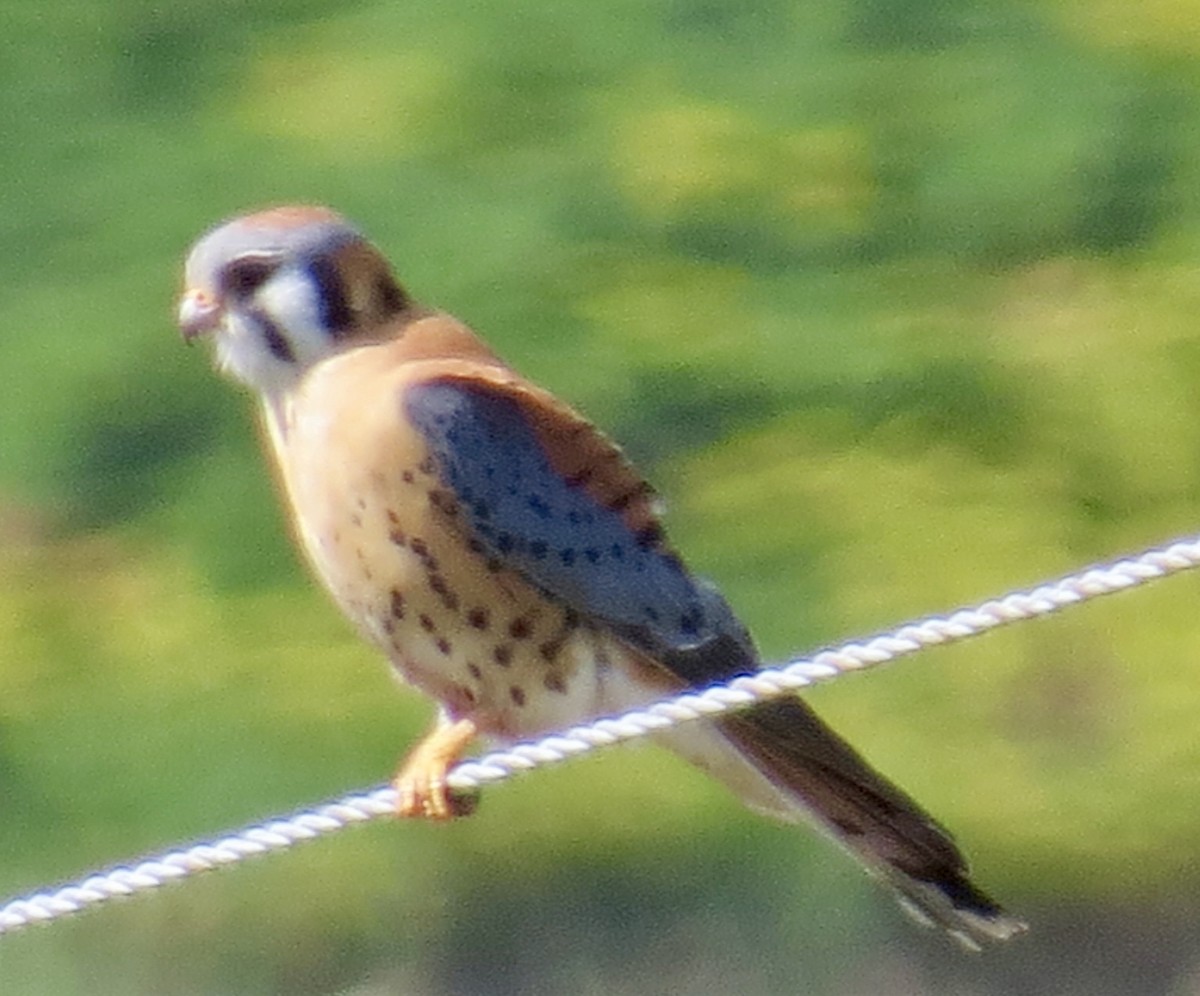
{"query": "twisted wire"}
(472, 775)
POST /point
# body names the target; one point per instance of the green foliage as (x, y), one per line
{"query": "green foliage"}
(893, 300)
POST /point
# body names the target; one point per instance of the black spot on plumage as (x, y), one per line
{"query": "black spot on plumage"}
(691, 622)
(625, 500)
(539, 507)
(528, 518)
(389, 295)
(280, 348)
(517, 694)
(336, 313)
(649, 535)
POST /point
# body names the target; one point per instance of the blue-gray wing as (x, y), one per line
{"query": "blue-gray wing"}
(534, 508)
(490, 452)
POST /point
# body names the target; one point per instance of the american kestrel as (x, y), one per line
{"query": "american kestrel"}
(503, 553)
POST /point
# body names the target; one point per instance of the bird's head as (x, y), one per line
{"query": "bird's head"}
(282, 289)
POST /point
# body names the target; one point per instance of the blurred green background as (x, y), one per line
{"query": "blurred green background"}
(895, 300)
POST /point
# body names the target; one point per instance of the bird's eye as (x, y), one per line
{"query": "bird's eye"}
(246, 274)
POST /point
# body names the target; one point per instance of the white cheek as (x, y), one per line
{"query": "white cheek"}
(290, 302)
(242, 353)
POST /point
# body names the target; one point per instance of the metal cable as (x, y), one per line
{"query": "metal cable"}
(43, 907)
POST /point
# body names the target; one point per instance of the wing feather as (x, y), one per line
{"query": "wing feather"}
(547, 495)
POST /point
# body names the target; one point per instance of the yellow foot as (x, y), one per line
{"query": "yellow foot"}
(421, 783)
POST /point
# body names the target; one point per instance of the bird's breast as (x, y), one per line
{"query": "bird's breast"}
(386, 538)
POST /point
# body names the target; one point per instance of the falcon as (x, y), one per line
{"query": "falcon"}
(503, 553)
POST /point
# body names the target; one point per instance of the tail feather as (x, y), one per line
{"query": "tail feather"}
(877, 822)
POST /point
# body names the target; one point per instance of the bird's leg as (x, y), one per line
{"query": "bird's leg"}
(421, 782)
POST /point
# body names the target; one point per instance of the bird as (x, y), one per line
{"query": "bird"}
(505, 555)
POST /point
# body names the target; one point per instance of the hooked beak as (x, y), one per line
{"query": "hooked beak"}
(198, 314)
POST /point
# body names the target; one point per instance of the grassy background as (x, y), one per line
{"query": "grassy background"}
(895, 300)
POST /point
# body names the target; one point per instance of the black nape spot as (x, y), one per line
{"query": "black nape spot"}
(389, 295)
(567, 557)
(592, 554)
(336, 313)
